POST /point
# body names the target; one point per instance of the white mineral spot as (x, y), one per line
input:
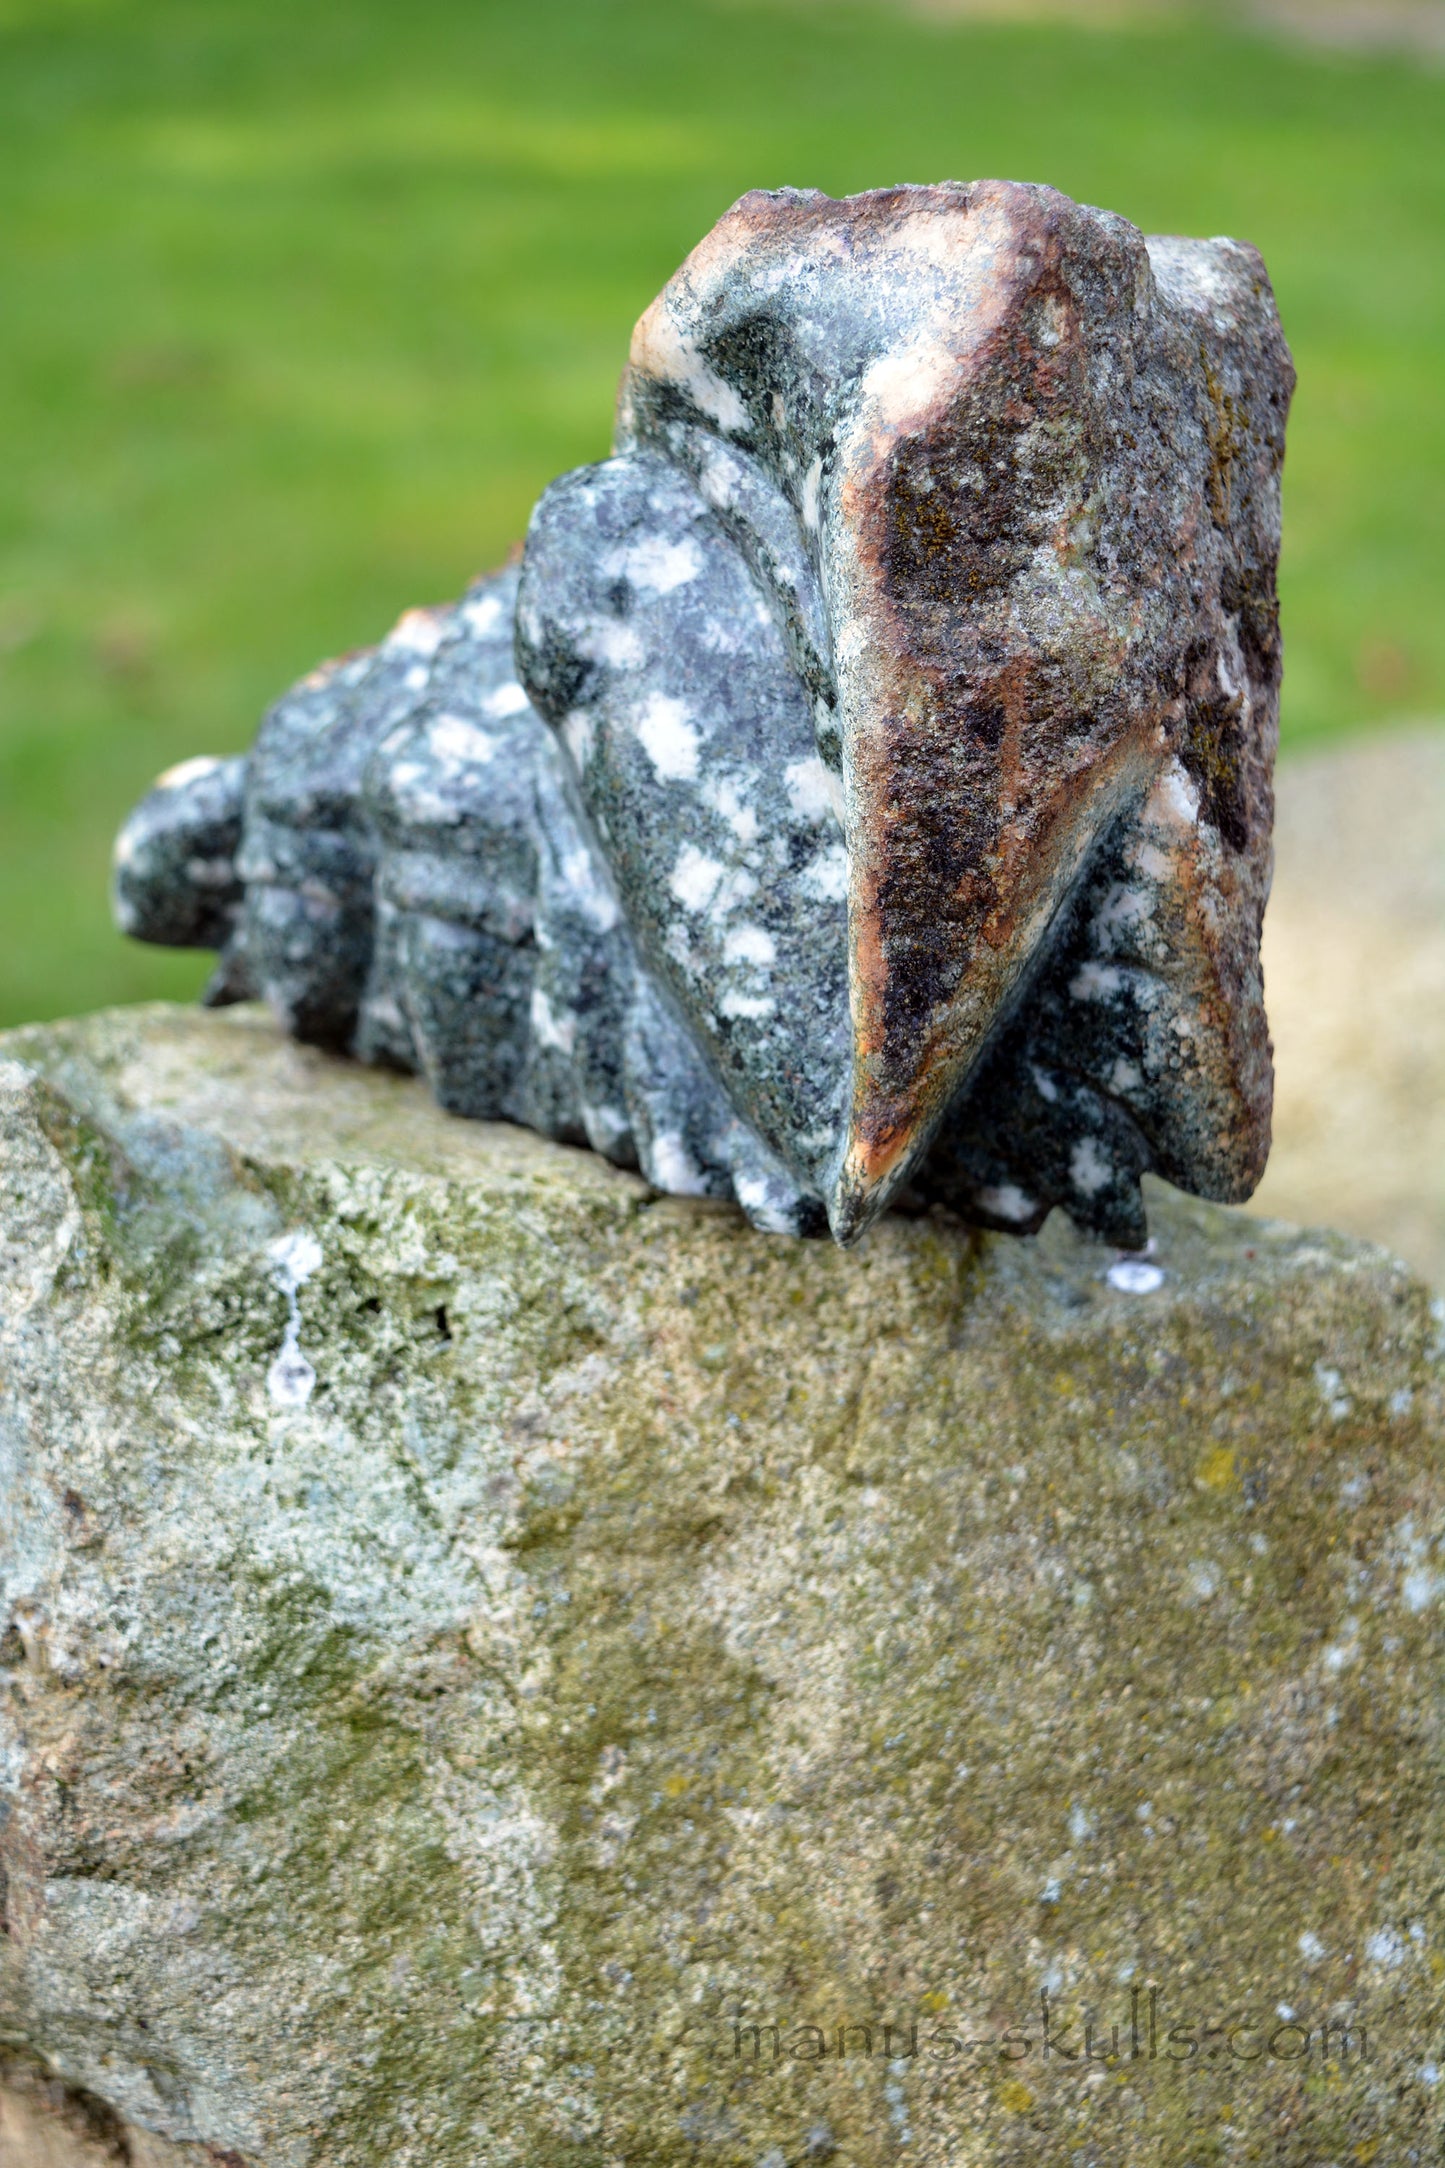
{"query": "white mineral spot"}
(452, 738)
(1148, 859)
(721, 638)
(696, 878)
(736, 888)
(763, 1210)
(1096, 982)
(751, 1008)
(186, 772)
(826, 878)
(1123, 907)
(210, 872)
(1386, 1949)
(812, 484)
(1124, 1076)
(670, 1167)
(1006, 1201)
(1401, 1402)
(1047, 1088)
(901, 386)
(1330, 1383)
(655, 565)
(1089, 1169)
(850, 641)
(814, 792)
(411, 787)
(605, 1127)
(1310, 1947)
(1429, 2074)
(1204, 1579)
(508, 699)
(1135, 1276)
(484, 616)
(551, 1030)
(578, 735)
(1231, 687)
(614, 643)
(1081, 1824)
(726, 799)
(661, 349)
(588, 890)
(1052, 322)
(1419, 1589)
(1284, 2010)
(1175, 796)
(679, 944)
(749, 945)
(417, 632)
(668, 737)
(717, 477)
(385, 1009)
(294, 1257)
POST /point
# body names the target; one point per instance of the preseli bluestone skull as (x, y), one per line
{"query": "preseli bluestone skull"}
(861, 792)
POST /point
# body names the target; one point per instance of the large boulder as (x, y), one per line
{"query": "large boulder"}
(503, 1669)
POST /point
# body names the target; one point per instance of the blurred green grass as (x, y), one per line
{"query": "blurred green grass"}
(303, 305)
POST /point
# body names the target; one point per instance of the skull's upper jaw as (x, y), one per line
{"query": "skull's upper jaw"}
(960, 390)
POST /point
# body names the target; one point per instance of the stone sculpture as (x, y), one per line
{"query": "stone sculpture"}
(861, 792)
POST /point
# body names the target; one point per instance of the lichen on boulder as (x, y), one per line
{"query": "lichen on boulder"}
(499, 1666)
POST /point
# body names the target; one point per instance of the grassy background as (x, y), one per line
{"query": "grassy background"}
(303, 304)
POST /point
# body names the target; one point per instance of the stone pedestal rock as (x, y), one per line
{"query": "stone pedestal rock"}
(499, 1668)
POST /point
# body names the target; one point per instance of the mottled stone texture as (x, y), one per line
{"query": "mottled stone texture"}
(641, 1632)
(912, 674)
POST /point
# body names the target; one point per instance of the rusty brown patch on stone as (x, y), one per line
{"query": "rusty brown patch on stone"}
(976, 767)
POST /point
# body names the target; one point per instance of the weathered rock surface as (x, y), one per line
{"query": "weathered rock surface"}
(478, 1640)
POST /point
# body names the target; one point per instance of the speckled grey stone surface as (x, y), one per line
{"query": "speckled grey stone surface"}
(865, 794)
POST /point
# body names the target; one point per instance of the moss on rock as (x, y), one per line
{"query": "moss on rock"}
(674, 1696)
